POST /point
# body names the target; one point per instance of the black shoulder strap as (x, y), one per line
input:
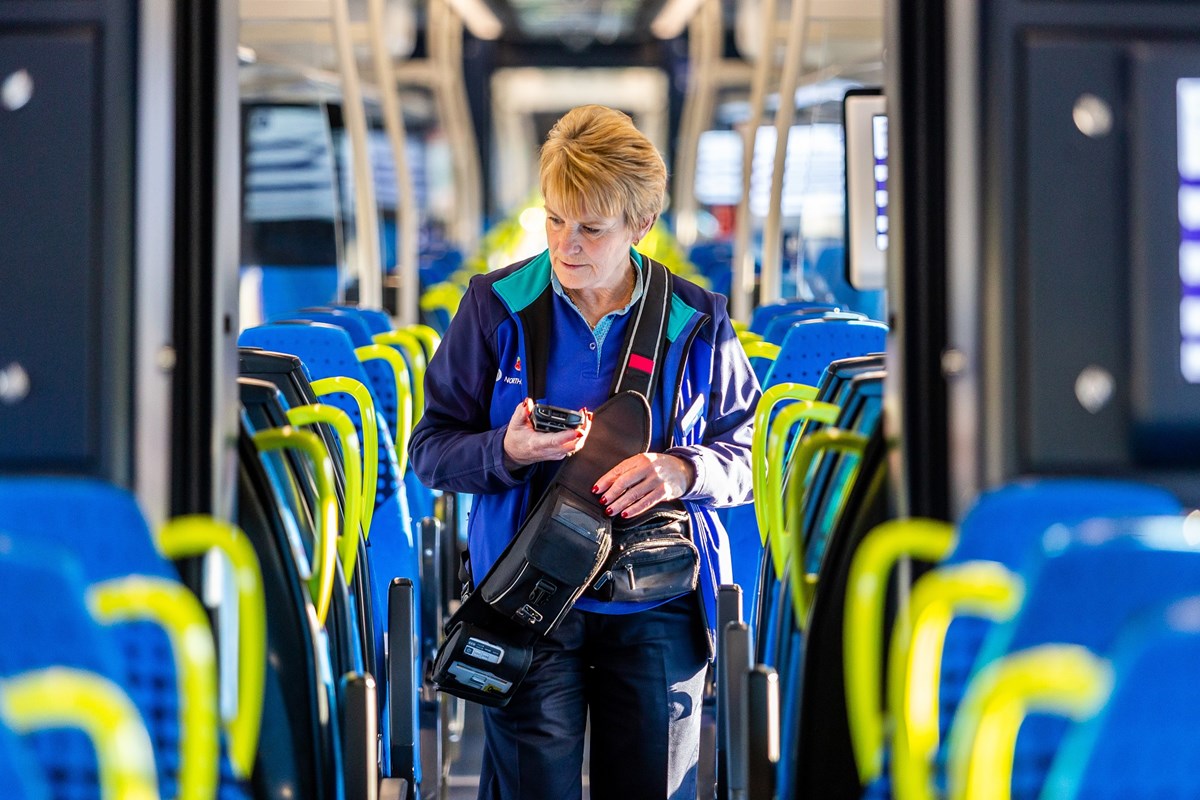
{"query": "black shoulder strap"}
(641, 359)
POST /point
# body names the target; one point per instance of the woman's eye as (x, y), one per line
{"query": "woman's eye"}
(590, 231)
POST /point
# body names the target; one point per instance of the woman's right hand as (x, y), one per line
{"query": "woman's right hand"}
(523, 445)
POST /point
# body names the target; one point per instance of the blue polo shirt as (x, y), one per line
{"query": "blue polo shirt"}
(582, 363)
(583, 360)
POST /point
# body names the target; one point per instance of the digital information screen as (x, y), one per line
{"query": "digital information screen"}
(1188, 104)
(864, 114)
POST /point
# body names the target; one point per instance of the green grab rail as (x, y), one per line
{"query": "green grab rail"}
(445, 296)
(370, 444)
(757, 349)
(404, 400)
(343, 426)
(862, 639)
(748, 337)
(792, 532)
(429, 338)
(771, 397)
(59, 697)
(194, 535)
(172, 607)
(974, 588)
(408, 344)
(325, 550)
(798, 413)
(1063, 679)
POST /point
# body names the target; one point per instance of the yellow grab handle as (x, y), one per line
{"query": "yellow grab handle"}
(791, 542)
(758, 446)
(1067, 680)
(370, 429)
(194, 535)
(797, 413)
(175, 610)
(58, 697)
(973, 588)
(408, 344)
(430, 341)
(404, 403)
(351, 460)
(862, 639)
(325, 550)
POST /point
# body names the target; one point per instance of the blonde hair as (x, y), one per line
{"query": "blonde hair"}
(596, 162)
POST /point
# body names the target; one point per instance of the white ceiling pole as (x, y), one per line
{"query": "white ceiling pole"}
(354, 116)
(445, 51)
(704, 50)
(742, 286)
(770, 282)
(407, 214)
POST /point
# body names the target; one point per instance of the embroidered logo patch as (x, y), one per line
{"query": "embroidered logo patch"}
(517, 366)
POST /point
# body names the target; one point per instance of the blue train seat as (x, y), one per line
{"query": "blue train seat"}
(20, 777)
(765, 313)
(811, 346)
(104, 528)
(1143, 742)
(1090, 581)
(301, 753)
(328, 351)
(47, 625)
(806, 354)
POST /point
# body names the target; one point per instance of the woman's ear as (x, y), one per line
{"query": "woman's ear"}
(647, 224)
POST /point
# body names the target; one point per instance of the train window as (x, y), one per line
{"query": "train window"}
(290, 243)
(864, 114)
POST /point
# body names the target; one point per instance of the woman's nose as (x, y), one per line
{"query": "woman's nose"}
(571, 239)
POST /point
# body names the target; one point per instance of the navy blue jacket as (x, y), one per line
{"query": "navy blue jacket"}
(707, 390)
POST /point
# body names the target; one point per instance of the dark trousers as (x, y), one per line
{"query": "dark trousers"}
(640, 676)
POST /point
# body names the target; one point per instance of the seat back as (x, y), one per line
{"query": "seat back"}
(809, 347)
(1092, 580)
(102, 526)
(47, 624)
(1143, 742)
(21, 778)
(765, 313)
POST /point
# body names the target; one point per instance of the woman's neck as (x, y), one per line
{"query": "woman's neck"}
(595, 303)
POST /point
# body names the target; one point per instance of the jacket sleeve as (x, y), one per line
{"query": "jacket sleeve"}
(454, 447)
(722, 459)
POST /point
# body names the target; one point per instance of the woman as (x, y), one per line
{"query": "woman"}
(636, 668)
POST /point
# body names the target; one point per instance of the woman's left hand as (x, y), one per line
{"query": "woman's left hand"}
(640, 482)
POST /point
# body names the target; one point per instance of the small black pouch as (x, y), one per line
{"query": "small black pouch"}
(653, 558)
(558, 549)
(484, 656)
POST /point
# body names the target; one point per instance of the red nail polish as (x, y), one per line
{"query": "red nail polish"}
(595, 489)
(624, 515)
(608, 512)
(578, 434)
(603, 501)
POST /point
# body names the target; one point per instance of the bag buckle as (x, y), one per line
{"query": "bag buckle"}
(542, 592)
(528, 614)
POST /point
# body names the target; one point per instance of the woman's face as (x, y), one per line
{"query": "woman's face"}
(589, 253)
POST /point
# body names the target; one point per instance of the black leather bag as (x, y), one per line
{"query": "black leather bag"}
(556, 553)
(652, 558)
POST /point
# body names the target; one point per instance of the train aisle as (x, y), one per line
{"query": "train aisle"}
(464, 770)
